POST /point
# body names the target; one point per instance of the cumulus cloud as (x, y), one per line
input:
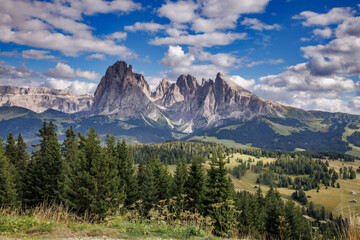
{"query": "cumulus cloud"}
(59, 25)
(335, 15)
(96, 56)
(63, 70)
(7, 71)
(212, 24)
(78, 87)
(180, 11)
(203, 40)
(256, 24)
(176, 58)
(220, 8)
(247, 84)
(117, 36)
(145, 26)
(37, 54)
(324, 33)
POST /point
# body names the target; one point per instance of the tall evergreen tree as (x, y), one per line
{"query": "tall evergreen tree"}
(93, 188)
(45, 171)
(11, 149)
(22, 155)
(162, 179)
(8, 180)
(126, 169)
(195, 186)
(148, 191)
(180, 177)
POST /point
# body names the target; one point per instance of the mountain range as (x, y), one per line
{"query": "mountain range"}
(215, 110)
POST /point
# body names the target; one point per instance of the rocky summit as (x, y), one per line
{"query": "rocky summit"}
(185, 105)
(124, 95)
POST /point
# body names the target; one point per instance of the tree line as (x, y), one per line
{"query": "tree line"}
(94, 180)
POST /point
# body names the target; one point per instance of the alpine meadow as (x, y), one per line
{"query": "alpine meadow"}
(179, 119)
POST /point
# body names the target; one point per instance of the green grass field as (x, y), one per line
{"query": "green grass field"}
(335, 200)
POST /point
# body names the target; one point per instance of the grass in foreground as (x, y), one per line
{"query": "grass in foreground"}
(58, 223)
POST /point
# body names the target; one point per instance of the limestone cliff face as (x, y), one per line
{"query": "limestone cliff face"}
(41, 99)
(123, 94)
(185, 105)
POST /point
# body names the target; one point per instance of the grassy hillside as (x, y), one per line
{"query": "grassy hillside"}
(315, 131)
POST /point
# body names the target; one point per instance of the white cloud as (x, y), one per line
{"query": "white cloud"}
(350, 27)
(7, 71)
(91, 75)
(176, 58)
(335, 15)
(78, 87)
(324, 33)
(220, 8)
(256, 24)
(58, 25)
(117, 36)
(223, 60)
(180, 11)
(96, 56)
(203, 40)
(145, 26)
(37, 54)
(212, 24)
(63, 70)
(267, 61)
(247, 84)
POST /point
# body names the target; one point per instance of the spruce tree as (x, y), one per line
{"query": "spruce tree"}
(11, 149)
(126, 169)
(22, 155)
(148, 191)
(93, 188)
(45, 171)
(195, 186)
(162, 179)
(8, 181)
(180, 177)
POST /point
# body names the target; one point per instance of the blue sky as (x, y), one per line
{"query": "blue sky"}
(300, 53)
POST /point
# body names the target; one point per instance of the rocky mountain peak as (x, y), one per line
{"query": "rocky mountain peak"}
(187, 84)
(164, 85)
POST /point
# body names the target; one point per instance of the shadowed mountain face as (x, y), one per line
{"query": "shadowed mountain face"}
(185, 105)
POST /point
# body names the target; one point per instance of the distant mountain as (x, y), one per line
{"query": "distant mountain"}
(41, 99)
(215, 110)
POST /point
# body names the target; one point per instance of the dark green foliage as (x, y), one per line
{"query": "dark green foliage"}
(299, 196)
(171, 152)
(195, 186)
(180, 178)
(44, 173)
(162, 179)
(354, 139)
(126, 172)
(93, 187)
(239, 170)
(147, 188)
(219, 192)
(8, 181)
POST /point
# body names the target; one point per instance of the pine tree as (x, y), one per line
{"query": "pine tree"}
(22, 155)
(11, 149)
(220, 193)
(126, 171)
(8, 181)
(45, 171)
(93, 188)
(273, 212)
(71, 154)
(148, 191)
(180, 177)
(195, 186)
(162, 179)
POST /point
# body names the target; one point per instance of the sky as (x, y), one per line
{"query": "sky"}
(302, 53)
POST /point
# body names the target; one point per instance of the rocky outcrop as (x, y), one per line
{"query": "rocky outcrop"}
(123, 94)
(41, 99)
